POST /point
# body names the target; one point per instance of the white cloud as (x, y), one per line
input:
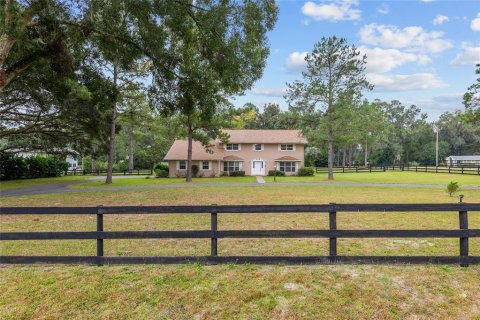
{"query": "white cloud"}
(475, 24)
(405, 82)
(384, 60)
(468, 56)
(296, 61)
(269, 92)
(412, 38)
(427, 0)
(333, 11)
(383, 8)
(440, 19)
(437, 105)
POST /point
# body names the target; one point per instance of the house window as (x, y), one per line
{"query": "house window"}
(205, 165)
(258, 147)
(286, 147)
(287, 166)
(232, 147)
(182, 165)
(231, 166)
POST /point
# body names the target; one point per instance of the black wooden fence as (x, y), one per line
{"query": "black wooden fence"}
(463, 233)
(470, 170)
(126, 172)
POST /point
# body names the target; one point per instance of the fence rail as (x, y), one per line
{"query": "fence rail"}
(137, 172)
(463, 234)
(470, 170)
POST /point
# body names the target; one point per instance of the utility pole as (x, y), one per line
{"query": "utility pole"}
(366, 148)
(436, 146)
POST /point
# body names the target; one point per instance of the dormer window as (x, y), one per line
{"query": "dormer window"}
(258, 147)
(287, 147)
(232, 147)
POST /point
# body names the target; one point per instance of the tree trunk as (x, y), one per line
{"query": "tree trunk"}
(130, 147)
(111, 151)
(330, 151)
(344, 160)
(189, 153)
(93, 163)
(350, 155)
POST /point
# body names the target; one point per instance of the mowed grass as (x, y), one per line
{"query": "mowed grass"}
(243, 291)
(361, 177)
(388, 177)
(142, 181)
(27, 183)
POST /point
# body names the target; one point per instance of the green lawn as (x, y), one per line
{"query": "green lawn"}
(243, 291)
(388, 177)
(26, 183)
(374, 177)
(142, 181)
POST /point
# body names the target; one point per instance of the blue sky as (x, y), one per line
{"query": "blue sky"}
(418, 52)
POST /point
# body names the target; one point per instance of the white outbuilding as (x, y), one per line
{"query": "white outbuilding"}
(463, 161)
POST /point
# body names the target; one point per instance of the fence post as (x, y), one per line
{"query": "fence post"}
(332, 214)
(213, 220)
(99, 239)
(463, 219)
(462, 170)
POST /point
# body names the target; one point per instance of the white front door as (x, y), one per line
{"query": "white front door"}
(258, 168)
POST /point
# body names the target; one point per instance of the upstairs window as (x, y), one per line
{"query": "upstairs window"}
(232, 147)
(286, 147)
(258, 147)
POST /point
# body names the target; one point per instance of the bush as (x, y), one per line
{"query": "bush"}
(237, 173)
(452, 188)
(195, 170)
(161, 170)
(121, 165)
(306, 172)
(276, 173)
(13, 167)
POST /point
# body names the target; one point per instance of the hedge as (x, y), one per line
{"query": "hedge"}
(306, 171)
(276, 173)
(13, 167)
(161, 170)
(236, 173)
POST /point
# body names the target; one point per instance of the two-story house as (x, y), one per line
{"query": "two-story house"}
(254, 151)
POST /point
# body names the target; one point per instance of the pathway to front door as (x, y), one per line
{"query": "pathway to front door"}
(260, 179)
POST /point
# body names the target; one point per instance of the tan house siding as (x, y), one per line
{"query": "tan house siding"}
(253, 162)
(269, 154)
(175, 172)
